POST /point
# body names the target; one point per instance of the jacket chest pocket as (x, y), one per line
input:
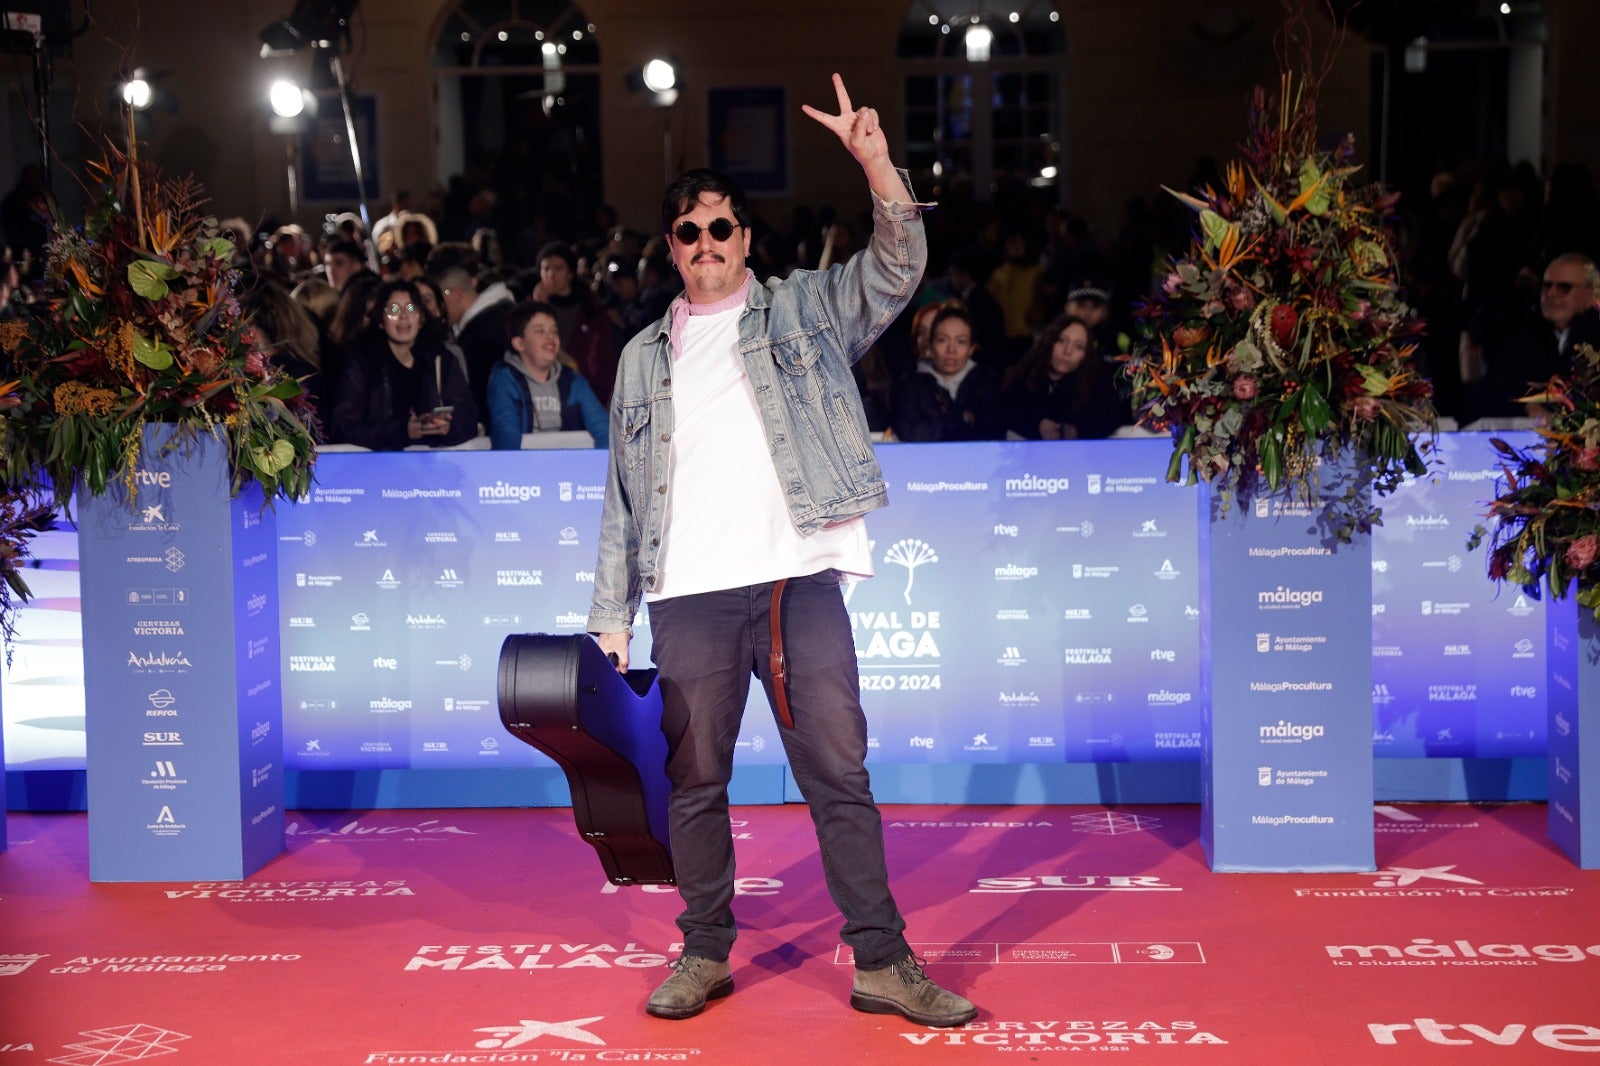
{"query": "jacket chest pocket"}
(796, 358)
(635, 442)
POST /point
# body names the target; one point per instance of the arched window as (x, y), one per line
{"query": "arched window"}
(983, 87)
(517, 105)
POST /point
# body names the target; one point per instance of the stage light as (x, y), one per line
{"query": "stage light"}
(318, 23)
(660, 76)
(288, 99)
(137, 94)
(978, 40)
(660, 79)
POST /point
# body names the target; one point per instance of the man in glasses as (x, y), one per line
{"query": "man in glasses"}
(740, 470)
(1543, 347)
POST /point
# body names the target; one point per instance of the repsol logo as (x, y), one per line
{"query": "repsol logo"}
(1284, 596)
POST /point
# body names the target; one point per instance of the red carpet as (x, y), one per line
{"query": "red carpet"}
(472, 936)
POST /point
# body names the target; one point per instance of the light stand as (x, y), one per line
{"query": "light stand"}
(662, 79)
(337, 67)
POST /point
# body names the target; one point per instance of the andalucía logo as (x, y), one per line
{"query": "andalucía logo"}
(429, 829)
(158, 662)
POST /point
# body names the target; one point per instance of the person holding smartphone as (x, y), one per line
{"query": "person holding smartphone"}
(401, 384)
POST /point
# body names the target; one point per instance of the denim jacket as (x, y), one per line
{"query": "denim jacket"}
(799, 338)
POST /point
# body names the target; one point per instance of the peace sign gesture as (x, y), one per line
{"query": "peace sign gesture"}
(858, 128)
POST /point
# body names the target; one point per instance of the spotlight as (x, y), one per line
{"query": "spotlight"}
(979, 40)
(318, 23)
(137, 94)
(288, 99)
(661, 78)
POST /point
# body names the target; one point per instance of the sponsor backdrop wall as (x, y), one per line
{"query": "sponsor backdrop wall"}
(1033, 604)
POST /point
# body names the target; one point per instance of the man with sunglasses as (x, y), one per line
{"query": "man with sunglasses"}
(1543, 347)
(741, 467)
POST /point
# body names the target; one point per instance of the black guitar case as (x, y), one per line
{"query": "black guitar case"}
(563, 696)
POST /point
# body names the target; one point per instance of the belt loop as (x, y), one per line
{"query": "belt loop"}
(775, 658)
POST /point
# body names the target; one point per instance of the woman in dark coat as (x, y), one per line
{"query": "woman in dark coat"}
(949, 397)
(1061, 390)
(401, 384)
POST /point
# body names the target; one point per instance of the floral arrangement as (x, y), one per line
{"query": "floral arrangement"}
(1548, 516)
(23, 515)
(1281, 338)
(140, 323)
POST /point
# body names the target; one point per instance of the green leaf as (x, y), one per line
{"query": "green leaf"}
(218, 248)
(1312, 178)
(1314, 411)
(271, 460)
(1272, 460)
(1375, 381)
(150, 353)
(1215, 228)
(149, 278)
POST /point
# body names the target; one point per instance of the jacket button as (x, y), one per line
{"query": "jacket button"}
(655, 542)
(666, 381)
(662, 489)
(666, 436)
(650, 581)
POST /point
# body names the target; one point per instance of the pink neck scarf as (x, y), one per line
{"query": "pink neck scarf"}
(682, 308)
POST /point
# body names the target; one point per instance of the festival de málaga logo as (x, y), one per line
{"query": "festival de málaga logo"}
(910, 553)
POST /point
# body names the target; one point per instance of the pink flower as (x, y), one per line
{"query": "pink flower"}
(1581, 552)
(1169, 287)
(1240, 299)
(1587, 459)
(255, 364)
(1244, 387)
(1365, 408)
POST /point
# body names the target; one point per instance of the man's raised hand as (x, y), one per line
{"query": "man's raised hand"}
(858, 128)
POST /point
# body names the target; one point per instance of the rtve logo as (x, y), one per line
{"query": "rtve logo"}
(1561, 1037)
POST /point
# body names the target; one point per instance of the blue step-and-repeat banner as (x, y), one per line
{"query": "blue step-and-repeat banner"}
(1032, 603)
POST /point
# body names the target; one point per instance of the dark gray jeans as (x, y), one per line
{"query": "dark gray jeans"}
(706, 648)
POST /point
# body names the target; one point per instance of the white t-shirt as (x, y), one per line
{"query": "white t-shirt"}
(727, 524)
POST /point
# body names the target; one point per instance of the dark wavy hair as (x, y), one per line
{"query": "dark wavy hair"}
(1032, 372)
(384, 295)
(683, 194)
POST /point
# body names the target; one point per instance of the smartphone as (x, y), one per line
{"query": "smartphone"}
(443, 412)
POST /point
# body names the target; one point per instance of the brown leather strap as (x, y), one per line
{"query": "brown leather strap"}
(775, 660)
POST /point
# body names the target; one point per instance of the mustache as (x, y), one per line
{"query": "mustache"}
(707, 257)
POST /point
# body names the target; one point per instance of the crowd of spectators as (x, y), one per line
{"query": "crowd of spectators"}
(425, 333)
